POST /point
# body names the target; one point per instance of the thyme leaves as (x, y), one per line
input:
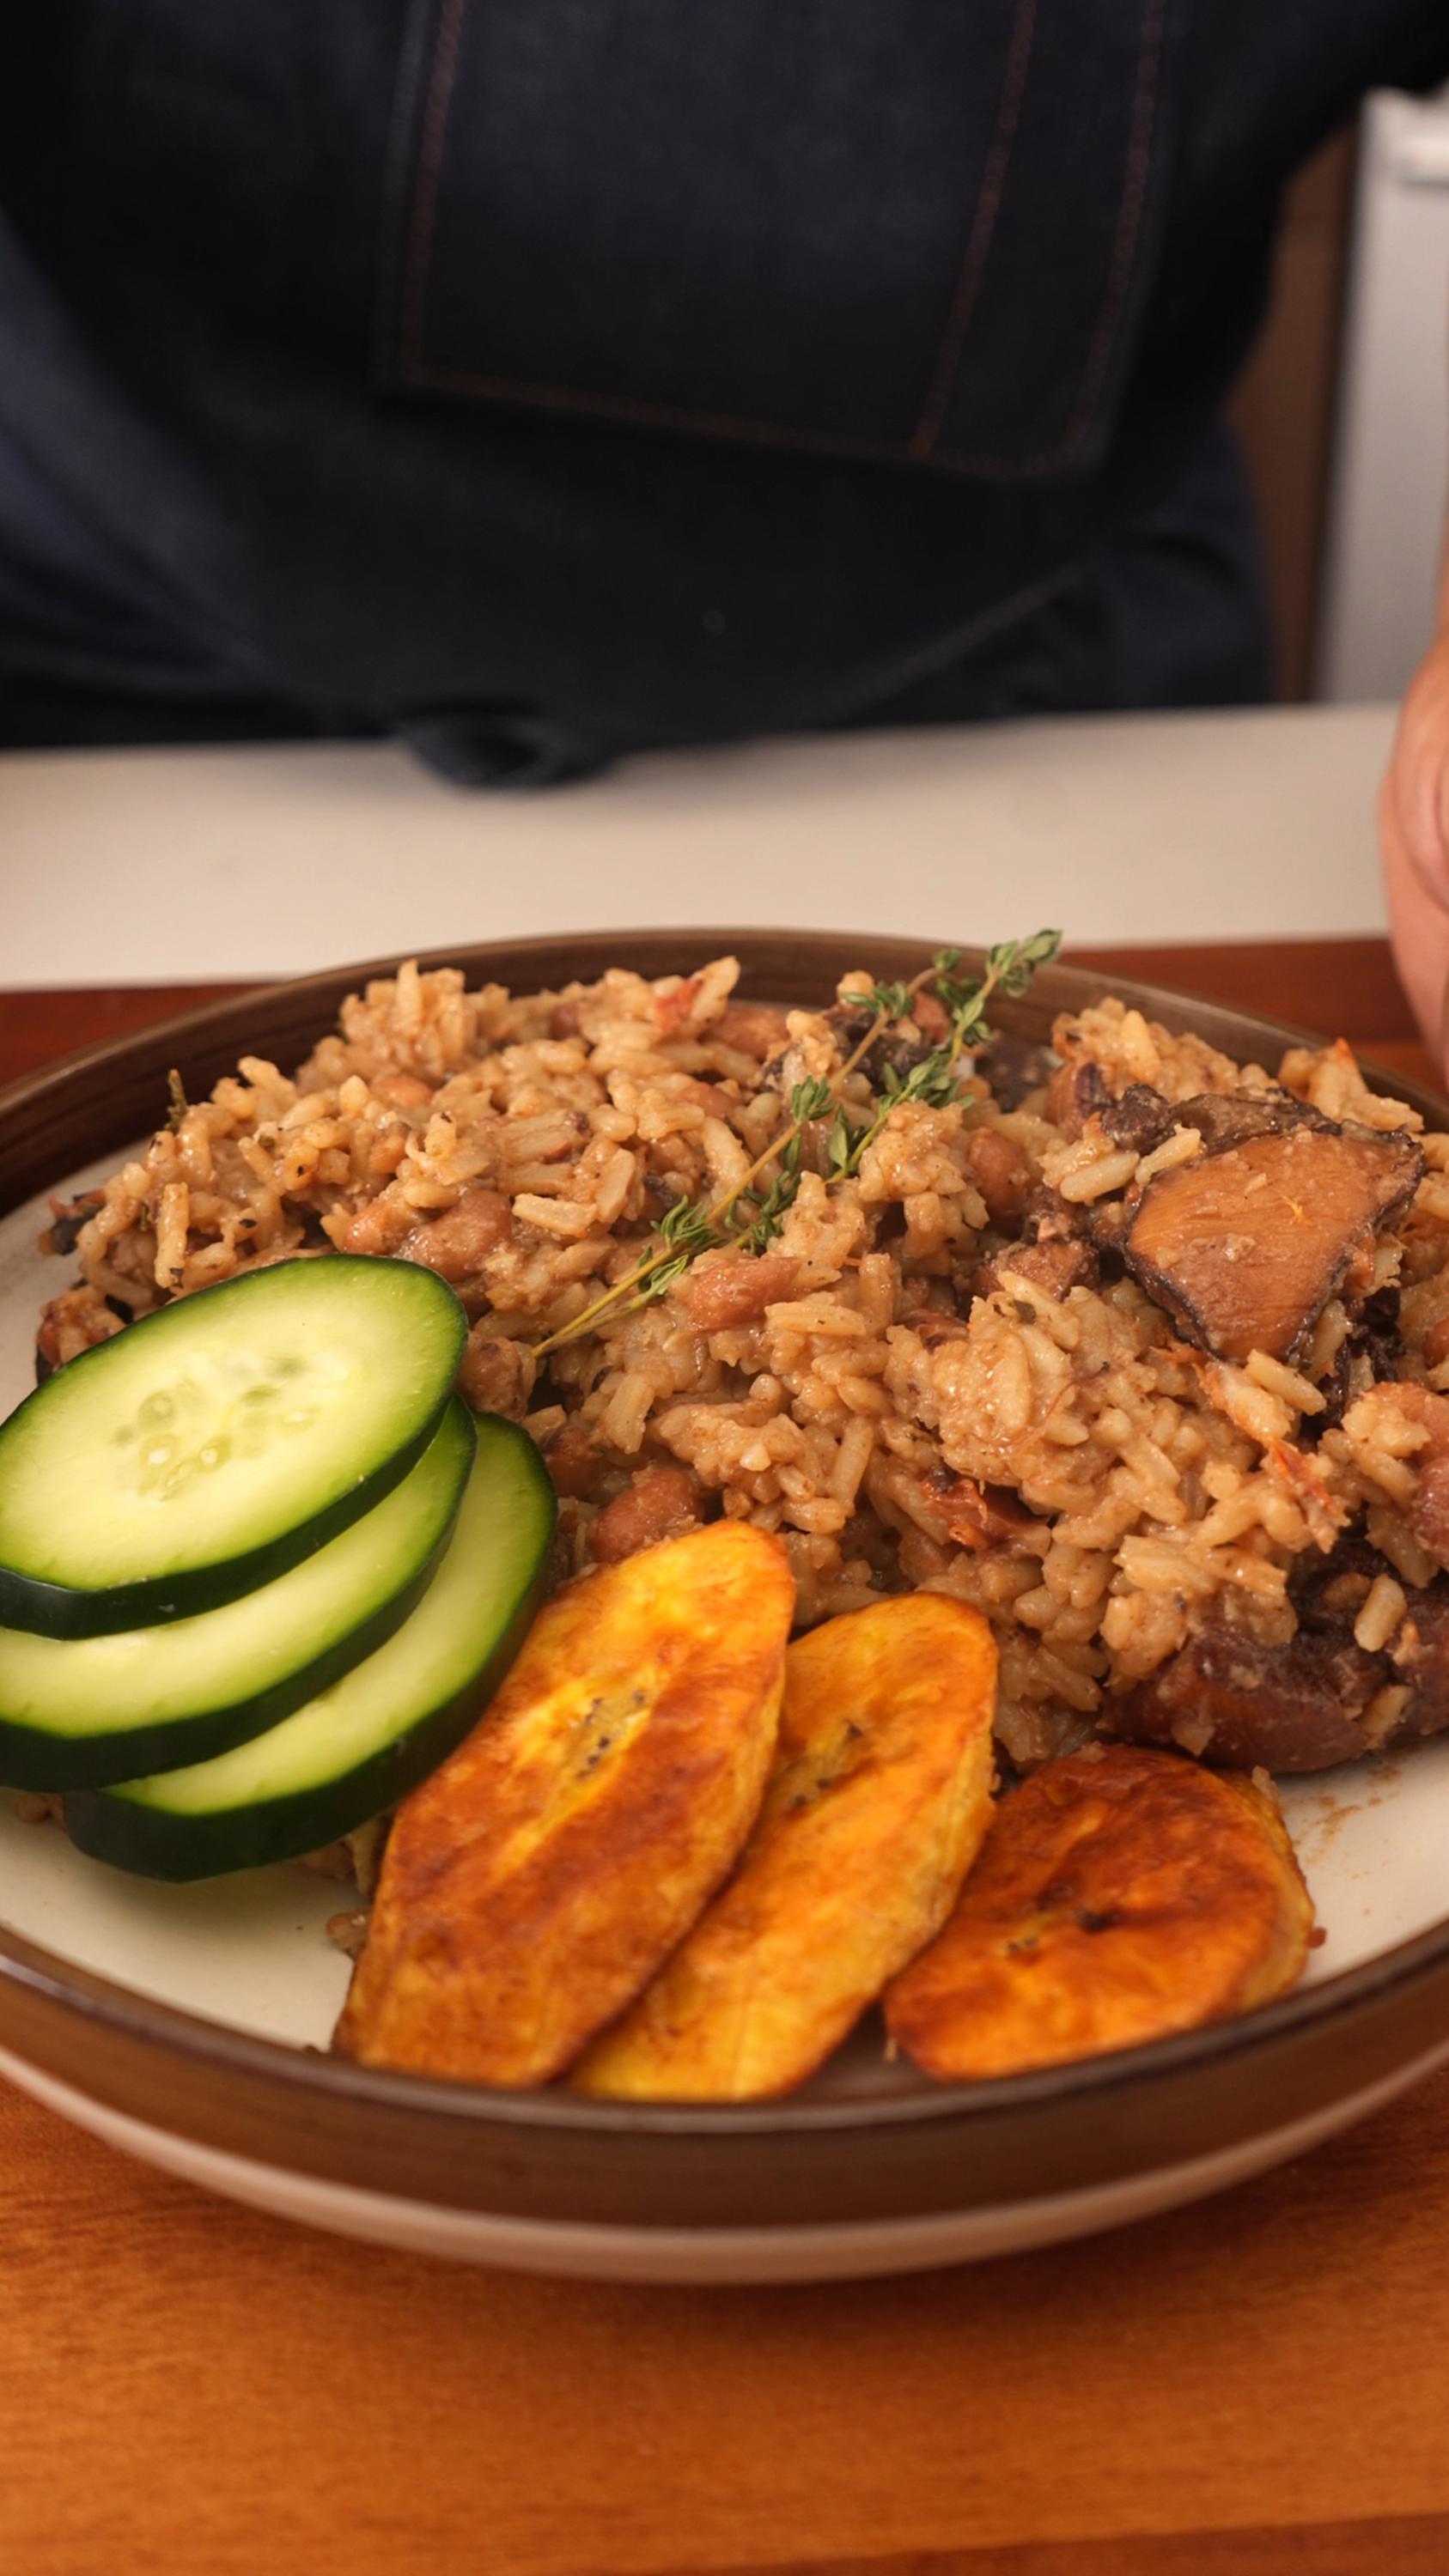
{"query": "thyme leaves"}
(748, 1216)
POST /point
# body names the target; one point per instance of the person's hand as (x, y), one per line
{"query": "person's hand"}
(1414, 843)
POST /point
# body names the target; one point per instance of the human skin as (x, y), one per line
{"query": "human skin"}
(1414, 836)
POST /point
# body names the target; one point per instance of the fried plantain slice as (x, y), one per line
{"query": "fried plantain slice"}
(537, 1880)
(879, 1797)
(1120, 1894)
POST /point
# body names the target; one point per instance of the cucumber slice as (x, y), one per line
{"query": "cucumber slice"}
(373, 1736)
(77, 1712)
(214, 1444)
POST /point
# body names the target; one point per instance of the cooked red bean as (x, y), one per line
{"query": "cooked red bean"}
(572, 1461)
(377, 1228)
(457, 1243)
(1000, 1171)
(660, 1503)
(737, 1288)
(496, 1375)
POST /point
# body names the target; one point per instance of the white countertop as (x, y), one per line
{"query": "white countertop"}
(177, 866)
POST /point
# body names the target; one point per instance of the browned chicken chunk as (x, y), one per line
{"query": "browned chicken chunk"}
(1313, 1701)
(1244, 1248)
(1235, 1701)
(1227, 1118)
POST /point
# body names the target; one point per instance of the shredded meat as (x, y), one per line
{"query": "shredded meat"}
(976, 1516)
(1056, 1249)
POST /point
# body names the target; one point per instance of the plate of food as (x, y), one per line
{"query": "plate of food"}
(722, 1606)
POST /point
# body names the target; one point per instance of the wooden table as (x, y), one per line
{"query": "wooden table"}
(1258, 2385)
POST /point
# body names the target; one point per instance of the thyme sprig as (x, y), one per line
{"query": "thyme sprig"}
(935, 1079)
(689, 1229)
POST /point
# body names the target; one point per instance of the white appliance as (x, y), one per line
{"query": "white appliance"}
(1391, 470)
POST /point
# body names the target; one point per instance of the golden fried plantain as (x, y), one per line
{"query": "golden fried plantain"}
(879, 1797)
(1119, 1895)
(536, 1881)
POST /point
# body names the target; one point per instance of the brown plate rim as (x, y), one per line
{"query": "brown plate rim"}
(46, 1976)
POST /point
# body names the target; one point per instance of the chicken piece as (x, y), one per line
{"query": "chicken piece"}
(1119, 1896)
(1139, 1117)
(1244, 1248)
(1057, 1267)
(1227, 1118)
(538, 1879)
(1315, 1700)
(1236, 1701)
(879, 1798)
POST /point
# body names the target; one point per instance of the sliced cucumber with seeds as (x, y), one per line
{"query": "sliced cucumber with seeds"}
(214, 1444)
(364, 1743)
(76, 1712)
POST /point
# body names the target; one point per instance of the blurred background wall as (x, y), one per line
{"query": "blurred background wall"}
(1344, 411)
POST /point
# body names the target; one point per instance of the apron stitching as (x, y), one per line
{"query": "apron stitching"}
(978, 245)
(1129, 224)
(654, 414)
(446, 46)
(416, 370)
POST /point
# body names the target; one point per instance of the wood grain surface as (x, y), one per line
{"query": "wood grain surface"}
(1256, 2386)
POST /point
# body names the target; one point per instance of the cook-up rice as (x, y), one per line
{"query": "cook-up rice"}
(881, 1385)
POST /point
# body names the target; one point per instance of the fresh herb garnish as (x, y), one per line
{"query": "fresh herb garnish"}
(934, 1081)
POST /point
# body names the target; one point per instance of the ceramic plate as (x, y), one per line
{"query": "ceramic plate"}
(188, 2024)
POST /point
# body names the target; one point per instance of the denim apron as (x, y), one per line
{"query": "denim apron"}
(547, 378)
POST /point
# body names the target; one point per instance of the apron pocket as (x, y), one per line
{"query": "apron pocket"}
(893, 228)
